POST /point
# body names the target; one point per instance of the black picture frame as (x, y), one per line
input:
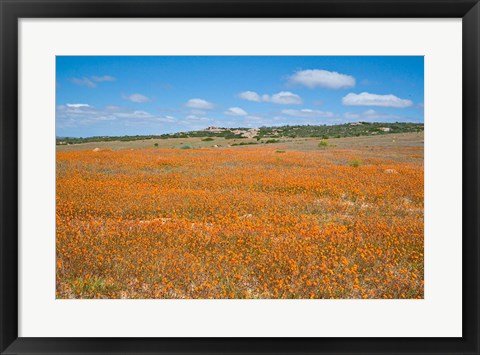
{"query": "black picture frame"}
(13, 10)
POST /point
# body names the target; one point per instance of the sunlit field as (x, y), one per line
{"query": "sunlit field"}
(290, 220)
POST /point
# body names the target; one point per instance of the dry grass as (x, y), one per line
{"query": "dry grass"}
(241, 222)
(387, 140)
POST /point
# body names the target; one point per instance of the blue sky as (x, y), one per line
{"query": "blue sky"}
(122, 95)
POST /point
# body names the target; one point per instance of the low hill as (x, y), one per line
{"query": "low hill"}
(322, 131)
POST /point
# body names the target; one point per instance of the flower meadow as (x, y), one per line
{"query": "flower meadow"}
(240, 222)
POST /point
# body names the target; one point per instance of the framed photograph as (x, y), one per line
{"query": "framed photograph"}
(239, 177)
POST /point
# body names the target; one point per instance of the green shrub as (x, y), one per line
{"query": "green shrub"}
(355, 163)
(185, 147)
(243, 143)
(208, 139)
(272, 141)
(155, 145)
(88, 285)
(279, 151)
(323, 144)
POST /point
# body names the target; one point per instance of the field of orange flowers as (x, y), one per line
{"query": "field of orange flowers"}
(250, 222)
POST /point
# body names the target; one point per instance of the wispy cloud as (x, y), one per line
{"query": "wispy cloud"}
(254, 118)
(195, 118)
(375, 116)
(367, 99)
(282, 97)
(91, 81)
(308, 113)
(196, 122)
(83, 82)
(137, 98)
(99, 79)
(76, 115)
(313, 78)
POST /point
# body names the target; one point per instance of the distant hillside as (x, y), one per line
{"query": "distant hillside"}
(335, 131)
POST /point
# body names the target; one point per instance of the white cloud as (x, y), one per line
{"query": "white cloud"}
(282, 97)
(313, 78)
(235, 111)
(250, 96)
(137, 98)
(308, 113)
(367, 99)
(200, 104)
(285, 98)
(77, 105)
